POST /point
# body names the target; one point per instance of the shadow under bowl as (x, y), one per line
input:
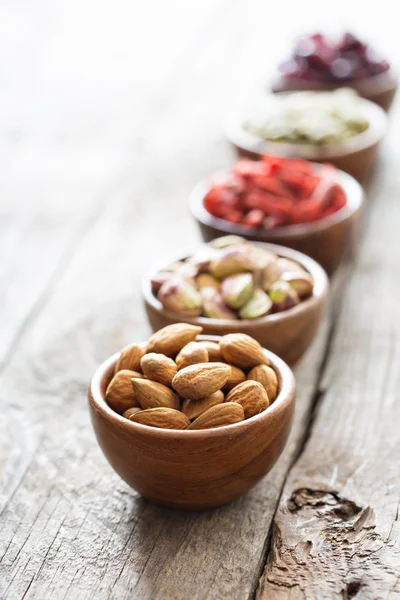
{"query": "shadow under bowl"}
(288, 333)
(328, 240)
(193, 470)
(356, 156)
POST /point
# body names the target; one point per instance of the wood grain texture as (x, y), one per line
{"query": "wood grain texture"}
(110, 134)
(70, 528)
(336, 533)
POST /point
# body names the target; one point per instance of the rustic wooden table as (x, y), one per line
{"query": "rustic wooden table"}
(109, 114)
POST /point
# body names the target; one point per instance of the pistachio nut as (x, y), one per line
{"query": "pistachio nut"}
(236, 290)
(205, 280)
(302, 283)
(234, 259)
(158, 279)
(287, 264)
(270, 274)
(179, 295)
(283, 296)
(203, 257)
(214, 306)
(227, 240)
(260, 304)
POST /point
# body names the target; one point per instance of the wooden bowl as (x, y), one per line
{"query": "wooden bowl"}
(288, 333)
(380, 89)
(327, 241)
(192, 469)
(356, 156)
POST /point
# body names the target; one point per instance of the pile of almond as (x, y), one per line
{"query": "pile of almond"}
(175, 382)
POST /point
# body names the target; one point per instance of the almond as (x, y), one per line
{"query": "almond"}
(251, 396)
(166, 418)
(242, 350)
(131, 411)
(213, 349)
(158, 367)
(268, 379)
(201, 380)
(151, 394)
(129, 358)
(171, 339)
(237, 376)
(120, 394)
(193, 408)
(191, 354)
(219, 416)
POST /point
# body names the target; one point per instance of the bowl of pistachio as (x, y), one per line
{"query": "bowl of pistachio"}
(338, 127)
(274, 294)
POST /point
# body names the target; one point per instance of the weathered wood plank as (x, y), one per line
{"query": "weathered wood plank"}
(71, 528)
(336, 533)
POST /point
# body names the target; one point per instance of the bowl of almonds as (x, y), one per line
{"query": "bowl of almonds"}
(231, 285)
(192, 421)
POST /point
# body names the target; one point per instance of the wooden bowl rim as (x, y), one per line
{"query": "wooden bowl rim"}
(355, 198)
(320, 291)
(371, 85)
(285, 398)
(241, 138)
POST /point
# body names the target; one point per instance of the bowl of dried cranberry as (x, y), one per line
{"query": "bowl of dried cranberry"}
(315, 209)
(319, 62)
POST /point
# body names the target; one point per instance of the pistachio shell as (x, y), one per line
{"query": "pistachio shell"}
(260, 304)
(205, 280)
(302, 283)
(236, 290)
(214, 306)
(283, 296)
(179, 295)
(234, 259)
(228, 240)
(279, 291)
(158, 279)
(203, 257)
(287, 264)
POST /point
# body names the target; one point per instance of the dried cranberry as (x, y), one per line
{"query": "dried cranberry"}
(317, 58)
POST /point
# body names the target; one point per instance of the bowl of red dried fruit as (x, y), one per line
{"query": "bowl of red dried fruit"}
(338, 127)
(320, 62)
(310, 207)
(231, 285)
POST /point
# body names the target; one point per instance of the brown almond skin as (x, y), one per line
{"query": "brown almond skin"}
(251, 395)
(120, 394)
(170, 339)
(221, 415)
(194, 408)
(213, 349)
(268, 379)
(191, 354)
(158, 367)
(241, 350)
(237, 376)
(164, 418)
(129, 358)
(201, 380)
(131, 411)
(151, 394)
